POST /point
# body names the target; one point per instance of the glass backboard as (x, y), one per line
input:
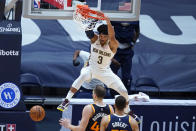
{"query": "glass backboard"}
(116, 10)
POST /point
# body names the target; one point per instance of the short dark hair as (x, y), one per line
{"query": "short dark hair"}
(100, 91)
(103, 29)
(120, 103)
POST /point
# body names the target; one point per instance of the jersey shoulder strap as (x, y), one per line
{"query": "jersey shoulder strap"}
(93, 108)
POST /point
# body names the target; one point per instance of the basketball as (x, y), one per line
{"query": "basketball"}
(37, 113)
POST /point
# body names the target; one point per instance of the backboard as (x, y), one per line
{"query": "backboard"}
(116, 10)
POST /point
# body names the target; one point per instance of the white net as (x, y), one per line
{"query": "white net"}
(84, 22)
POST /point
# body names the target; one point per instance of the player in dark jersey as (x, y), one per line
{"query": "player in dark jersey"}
(119, 121)
(92, 113)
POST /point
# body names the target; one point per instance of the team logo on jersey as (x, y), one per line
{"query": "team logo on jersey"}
(9, 95)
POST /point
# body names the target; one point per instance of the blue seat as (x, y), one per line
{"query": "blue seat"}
(28, 80)
(146, 84)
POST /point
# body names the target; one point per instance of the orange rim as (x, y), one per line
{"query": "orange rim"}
(85, 11)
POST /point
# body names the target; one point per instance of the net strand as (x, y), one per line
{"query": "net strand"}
(87, 18)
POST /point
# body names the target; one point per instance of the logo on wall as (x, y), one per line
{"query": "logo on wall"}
(8, 127)
(9, 95)
(10, 28)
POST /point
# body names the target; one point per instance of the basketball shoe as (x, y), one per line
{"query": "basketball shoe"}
(63, 106)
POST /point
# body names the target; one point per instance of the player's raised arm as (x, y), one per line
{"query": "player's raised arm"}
(111, 33)
(134, 124)
(91, 35)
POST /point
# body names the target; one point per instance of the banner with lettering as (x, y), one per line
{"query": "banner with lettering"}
(156, 117)
(10, 59)
(10, 51)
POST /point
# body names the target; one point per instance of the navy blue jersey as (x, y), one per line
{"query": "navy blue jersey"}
(98, 112)
(119, 123)
(125, 34)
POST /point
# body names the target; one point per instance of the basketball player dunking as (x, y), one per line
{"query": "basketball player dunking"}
(103, 48)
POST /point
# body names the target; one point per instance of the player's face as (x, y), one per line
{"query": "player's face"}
(103, 38)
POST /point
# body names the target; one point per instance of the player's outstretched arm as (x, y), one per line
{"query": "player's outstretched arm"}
(111, 33)
(75, 56)
(86, 114)
(134, 124)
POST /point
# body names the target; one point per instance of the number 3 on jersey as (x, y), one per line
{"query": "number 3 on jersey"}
(100, 59)
(95, 127)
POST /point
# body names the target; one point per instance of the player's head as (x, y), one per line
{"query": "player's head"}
(120, 103)
(103, 33)
(99, 92)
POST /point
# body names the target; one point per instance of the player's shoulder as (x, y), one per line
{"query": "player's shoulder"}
(106, 118)
(88, 111)
(111, 109)
(84, 53)
(90, 108)
(109, 105)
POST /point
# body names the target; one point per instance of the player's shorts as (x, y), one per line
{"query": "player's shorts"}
(110, 79)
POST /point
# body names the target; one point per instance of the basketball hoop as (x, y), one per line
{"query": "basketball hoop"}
(86, 17)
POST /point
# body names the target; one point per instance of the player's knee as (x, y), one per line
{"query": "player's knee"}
(118, 86)
(84, 77)
(122, 88)
(123, 91)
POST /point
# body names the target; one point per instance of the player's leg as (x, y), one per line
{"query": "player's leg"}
(115, 69)
(119, 87)
(122, 91)
(113, 81)
(85, 74)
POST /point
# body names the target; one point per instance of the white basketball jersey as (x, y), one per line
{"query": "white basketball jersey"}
(100, 57)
